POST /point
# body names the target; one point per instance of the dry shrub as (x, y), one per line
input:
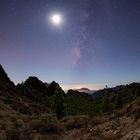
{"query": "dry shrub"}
(26, 118)
(109, 137)
(48, 117)
(49, 137)
(18, 134)
(47, 125)
(5, 114)
(19, 124)
(97, 120)
(132, 109)
(72, 122)
(21, 108)
(4, 126)
(2, 136)
(12, 134)
(46, 128)
(13, 118)
(95, 132)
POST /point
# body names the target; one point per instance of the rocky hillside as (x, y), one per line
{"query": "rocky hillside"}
(121, 124)
(34, 110)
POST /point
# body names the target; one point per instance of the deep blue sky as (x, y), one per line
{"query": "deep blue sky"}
(98, 43)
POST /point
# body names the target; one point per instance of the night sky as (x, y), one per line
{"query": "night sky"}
(96, 44)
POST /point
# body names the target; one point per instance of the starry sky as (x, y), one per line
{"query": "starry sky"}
(97, 43)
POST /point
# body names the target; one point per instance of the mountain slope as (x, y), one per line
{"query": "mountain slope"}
(114, 115)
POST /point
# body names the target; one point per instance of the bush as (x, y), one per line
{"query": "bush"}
(12, 134)
(75, 122)
(48, 125)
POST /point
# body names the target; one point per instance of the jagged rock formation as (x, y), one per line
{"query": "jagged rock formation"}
(36, 84)
(53, 88)
(5, 82)
(11, 95)
(3, 75)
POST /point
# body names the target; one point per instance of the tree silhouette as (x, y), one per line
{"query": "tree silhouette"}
(59, 103)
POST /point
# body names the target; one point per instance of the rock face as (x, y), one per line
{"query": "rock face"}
(5, 82)
(45, 89)
(54, 88)
(36, 84)
(3, 75)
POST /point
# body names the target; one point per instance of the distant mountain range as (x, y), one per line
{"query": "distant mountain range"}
(85, 90)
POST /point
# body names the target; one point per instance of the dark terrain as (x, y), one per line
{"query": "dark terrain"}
(34, 110)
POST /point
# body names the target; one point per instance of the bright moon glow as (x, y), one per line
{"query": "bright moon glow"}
(56, 19)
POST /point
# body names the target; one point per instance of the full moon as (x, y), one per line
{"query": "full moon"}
(56, 19)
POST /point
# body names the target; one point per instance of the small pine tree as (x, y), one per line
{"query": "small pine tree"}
(118, 101)
(59, 103)
(137, 92)
(104, 104)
